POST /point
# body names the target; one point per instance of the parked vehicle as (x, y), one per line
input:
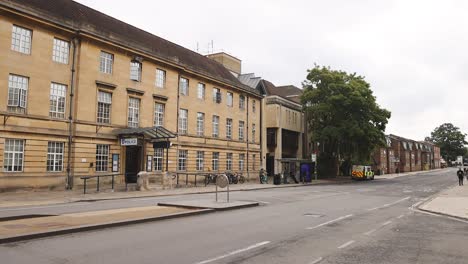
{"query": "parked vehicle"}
(361, 172)
(235, 178)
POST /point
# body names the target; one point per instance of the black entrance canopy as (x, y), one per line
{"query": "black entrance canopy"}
(154, 134)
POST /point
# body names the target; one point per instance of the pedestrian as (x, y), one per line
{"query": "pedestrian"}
(460, 175)
(262, 175)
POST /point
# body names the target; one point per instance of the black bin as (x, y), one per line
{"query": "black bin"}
(277, 179)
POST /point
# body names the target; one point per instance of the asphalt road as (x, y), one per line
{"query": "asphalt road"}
(361, 222)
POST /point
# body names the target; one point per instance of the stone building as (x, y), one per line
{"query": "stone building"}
(83, 93)
(286, 145)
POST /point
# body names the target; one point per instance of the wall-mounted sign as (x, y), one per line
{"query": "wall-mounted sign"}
(129, 141)
(149, 163)
(115, 162)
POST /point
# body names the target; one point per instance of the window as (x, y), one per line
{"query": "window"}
(17, 93)
(182, 160)
(55, 156)
(215, 126)
(135, 71)
(200, 160)
(104, 106)
(57, 100)
(253, 133)
(229, 128)
(158, 114)
(61, 51)
(200, 124)
(241, 130)
(13, 155)
(254, 106)
(242, 102)
(21, 40)
(133, 112)
(158, 159)
(201, 91)
(160, 78)
(228, 161)
(183, 121)
(102, 157)
(217, 95)
(229, 99)
(215, 161)
(106, 62)
(241, 162)
(183, 86)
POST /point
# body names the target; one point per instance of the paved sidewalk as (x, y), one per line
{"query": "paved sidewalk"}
(396, 175)
(451, 202)
(12, 230)
(45, 197)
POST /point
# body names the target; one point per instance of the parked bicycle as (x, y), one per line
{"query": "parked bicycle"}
(210, 178)
(263, 176)
(235, 178)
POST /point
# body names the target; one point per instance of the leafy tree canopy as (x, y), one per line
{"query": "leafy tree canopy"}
(343, 116)
(450, 140)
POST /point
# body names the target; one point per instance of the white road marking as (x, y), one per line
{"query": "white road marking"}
(416, 204)
(387, 223)
(235, 252)
(329, 222)
(346, 244)
(263, 202)
(399, 217)
(316, 261)
(390, 204)
(368, 233)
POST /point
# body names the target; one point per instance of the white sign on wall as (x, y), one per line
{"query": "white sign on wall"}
(129, 141)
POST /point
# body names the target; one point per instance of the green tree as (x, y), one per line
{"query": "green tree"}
(343, 117)
(450, 140)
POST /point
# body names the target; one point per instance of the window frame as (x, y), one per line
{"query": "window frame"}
(242, 102)
(102, 157)
(136, 72)
(160, 78)
(200, 161)
(229, 157)
(201, 91)
(158, 114)
(59, 54)
(241, 130)
(13, 155)
(200, 124)
(217, 97)
(56, 113)
(183, 122)
(106, 64)
(20, 44)
(229, 123)
(55, 157)
(182, 159)
(133, 113)
(22, 85)
(100, 118)
(215, 161)
(215, 126)
(241, 162)
(184, 89)
(158, 159)
(229, 99)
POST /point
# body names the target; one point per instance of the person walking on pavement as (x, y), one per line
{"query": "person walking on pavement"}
(460, 177)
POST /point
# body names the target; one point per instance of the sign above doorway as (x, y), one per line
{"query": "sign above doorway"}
(129, 141)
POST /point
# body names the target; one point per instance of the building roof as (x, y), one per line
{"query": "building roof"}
(81, 18)
(289, 92)
(249, 79)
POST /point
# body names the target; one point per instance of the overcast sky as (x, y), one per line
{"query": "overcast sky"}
(413, 53)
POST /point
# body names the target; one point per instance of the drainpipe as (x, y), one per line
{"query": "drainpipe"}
(69, 180)
(247, 137)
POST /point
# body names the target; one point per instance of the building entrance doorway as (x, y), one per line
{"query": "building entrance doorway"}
(270, 165)
(132, 163)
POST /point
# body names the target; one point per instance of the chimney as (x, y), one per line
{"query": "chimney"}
(231, 63)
